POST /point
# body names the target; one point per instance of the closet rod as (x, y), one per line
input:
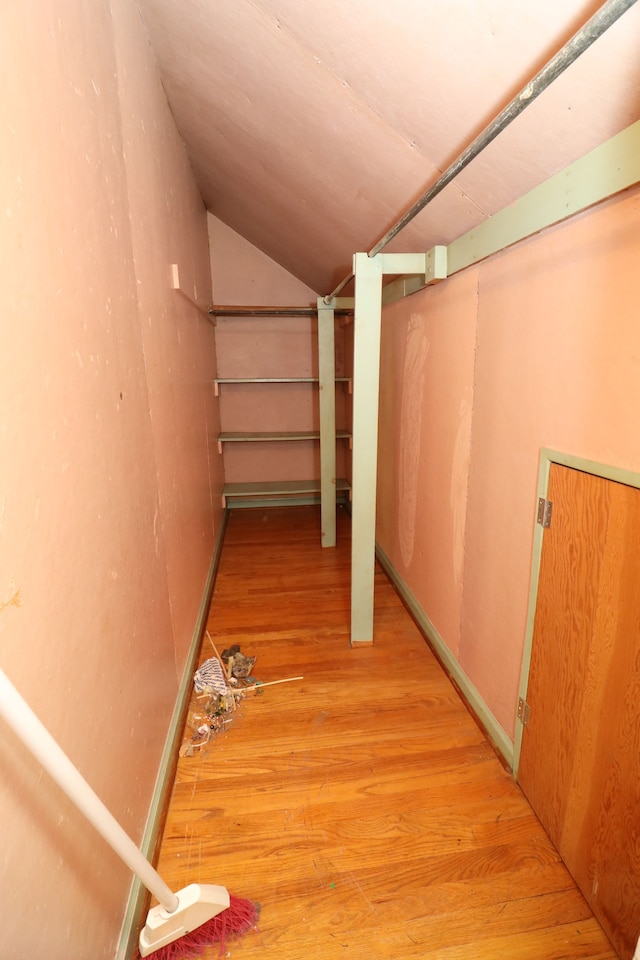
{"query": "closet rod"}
(220, 310)
(605, 17)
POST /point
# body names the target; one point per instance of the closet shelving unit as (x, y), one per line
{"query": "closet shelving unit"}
(246, 492)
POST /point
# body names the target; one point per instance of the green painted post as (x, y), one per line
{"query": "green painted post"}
(327, 375)
(366, 378)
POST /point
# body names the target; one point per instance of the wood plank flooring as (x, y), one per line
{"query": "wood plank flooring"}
(362, 807)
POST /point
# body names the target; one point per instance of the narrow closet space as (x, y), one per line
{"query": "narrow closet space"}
(360, 804)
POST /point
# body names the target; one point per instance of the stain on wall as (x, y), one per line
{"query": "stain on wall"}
(411, 406)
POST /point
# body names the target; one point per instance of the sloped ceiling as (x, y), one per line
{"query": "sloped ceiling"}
(312, 125)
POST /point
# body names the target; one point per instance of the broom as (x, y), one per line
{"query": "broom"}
(183, 924)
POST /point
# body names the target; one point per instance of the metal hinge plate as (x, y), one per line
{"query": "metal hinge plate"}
(524, 711)
(545, 509)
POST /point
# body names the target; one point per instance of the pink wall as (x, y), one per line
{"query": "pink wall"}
(553, 324)
(266, 347)
(106, 519)
(426, 390)
(177, 335)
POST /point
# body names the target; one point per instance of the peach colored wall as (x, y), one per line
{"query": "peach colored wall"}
(105, 542)
(557, 364)
(426, 390)
(269, 347)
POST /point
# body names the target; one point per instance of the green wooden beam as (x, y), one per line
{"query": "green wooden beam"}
(602, 173)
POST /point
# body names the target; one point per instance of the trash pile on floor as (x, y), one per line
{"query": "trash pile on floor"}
(220, 683)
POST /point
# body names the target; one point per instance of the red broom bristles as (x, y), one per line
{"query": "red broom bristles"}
(239, 917)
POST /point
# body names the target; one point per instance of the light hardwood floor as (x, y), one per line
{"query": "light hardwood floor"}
(362, 807)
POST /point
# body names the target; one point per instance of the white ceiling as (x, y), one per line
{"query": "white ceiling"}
(312, 125)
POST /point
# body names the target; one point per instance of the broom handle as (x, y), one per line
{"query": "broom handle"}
(28, 728)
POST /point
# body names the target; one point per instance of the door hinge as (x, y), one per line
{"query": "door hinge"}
(545, 509)
(524, 711)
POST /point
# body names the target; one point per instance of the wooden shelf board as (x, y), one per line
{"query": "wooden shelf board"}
(266, 380)
(236, 380)
(234, 310)
(256, 437)
(276, 380)
(268, 487)
(277, 488)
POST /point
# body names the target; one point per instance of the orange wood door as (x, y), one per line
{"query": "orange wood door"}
(580, 758)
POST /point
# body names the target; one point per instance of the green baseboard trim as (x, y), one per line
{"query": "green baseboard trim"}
(496, 735)
(138, 896)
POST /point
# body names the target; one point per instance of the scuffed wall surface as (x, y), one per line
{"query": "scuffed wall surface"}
(168, 225)
(553, 324)
(426, 393)
(96, 200)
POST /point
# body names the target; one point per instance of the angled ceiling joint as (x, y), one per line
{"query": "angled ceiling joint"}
(599, 23)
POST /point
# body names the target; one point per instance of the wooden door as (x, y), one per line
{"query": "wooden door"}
(580, 759)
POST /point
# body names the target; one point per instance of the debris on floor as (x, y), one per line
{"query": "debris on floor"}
(219, 683)
(239, 666)
(210, 677)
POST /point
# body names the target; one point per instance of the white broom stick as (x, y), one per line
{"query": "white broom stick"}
(178, 914)
(28, 728)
